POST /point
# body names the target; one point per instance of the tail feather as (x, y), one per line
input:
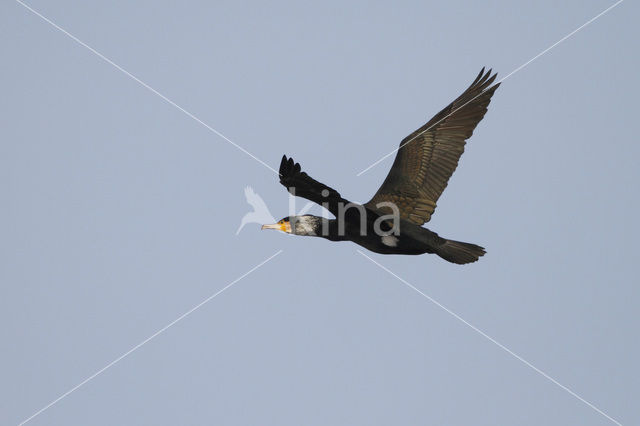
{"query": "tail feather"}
(459, 252)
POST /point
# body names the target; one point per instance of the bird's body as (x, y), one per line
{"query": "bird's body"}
(410, 240)
(391, 222)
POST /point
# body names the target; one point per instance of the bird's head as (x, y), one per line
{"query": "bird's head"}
(298, 225)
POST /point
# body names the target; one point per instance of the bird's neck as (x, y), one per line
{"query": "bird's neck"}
(319, 227)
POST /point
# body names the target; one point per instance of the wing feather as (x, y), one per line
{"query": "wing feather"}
(300, 184)
(428, 157)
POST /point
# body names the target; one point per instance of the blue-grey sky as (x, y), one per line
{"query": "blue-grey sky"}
(119, 214)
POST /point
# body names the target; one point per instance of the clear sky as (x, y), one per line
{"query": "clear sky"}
(119, 214)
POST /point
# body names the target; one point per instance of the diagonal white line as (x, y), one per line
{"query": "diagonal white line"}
(500, 345)
(162, 330)
(499, 81)
(142, 83)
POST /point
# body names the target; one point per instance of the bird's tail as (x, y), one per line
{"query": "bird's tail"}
(459, 252)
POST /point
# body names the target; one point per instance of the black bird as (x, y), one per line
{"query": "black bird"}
(390, 223)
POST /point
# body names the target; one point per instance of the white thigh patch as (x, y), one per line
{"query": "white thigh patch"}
(390, 241)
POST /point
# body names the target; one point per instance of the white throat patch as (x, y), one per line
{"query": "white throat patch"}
(304, 225)
(390, 241)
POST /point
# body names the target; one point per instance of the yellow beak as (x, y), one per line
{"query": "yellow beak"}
(284, 227)
(274, 226)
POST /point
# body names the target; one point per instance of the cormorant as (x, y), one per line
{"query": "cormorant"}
(390, 223)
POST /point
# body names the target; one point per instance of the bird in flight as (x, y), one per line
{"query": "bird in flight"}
(391, 222)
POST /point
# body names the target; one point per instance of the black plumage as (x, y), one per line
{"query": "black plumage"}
(423, 165)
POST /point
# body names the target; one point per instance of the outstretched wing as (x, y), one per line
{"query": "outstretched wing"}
(428, 157)
(300, 184)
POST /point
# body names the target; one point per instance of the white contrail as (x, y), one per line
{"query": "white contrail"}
(491, 339)
(136, 347)
(142, 83)
(499, 81)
